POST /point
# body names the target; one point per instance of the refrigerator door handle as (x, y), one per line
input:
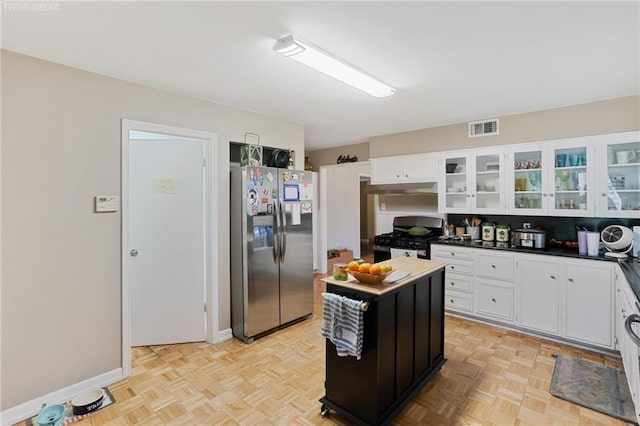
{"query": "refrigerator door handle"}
(283, 250)
(630, 332)
(276, 236)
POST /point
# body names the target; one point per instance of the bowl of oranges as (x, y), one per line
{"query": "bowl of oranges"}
(368, 273)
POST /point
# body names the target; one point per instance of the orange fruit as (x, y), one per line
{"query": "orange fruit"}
(385, 268)
(353, 266)
(364, 267)
(375, 270)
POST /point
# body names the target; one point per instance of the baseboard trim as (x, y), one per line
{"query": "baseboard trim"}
(224, 335)
(31, 408)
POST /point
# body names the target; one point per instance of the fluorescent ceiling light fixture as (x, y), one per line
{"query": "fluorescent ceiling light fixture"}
(324, 62)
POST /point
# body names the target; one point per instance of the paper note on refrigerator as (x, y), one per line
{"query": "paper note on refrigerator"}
(295, 214)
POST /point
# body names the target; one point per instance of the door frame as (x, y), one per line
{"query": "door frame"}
(210, 227)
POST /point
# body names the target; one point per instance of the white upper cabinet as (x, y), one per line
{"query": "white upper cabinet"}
(472, 181)
(527, 181)
(572, 176)
(554, 178)
(404, 169)
(618, 175)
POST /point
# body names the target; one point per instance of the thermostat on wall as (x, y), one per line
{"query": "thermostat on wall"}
(107, 203)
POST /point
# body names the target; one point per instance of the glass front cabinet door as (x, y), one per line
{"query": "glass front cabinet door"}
(527, 182)
(488, 183)
(572, 167)
(618, 177)
(455, 171)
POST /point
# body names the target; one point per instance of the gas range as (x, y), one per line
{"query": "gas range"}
(400, 240)
(403, 241)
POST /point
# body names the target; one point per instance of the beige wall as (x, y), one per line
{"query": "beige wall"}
(61, 285)
(329, 156)
(610, 116)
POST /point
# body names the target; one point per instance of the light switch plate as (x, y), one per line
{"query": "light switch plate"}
(107, 203)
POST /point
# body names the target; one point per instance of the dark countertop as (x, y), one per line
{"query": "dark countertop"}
(630, 266)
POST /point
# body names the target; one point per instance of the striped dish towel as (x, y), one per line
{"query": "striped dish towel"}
(343, 324)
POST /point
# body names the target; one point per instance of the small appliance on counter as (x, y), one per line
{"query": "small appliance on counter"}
(530, 238)
(618, 240)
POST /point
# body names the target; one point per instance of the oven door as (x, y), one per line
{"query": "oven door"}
(381, 253)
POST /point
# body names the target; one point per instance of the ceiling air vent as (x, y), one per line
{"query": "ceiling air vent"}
(483, 128)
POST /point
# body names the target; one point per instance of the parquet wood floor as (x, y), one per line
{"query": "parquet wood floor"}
(492, 376)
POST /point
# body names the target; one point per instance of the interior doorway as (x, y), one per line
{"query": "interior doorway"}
(167, 261)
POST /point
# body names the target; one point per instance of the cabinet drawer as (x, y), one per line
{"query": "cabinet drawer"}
(494, 300)
(458, 301)
(465, 268)
(450, 252)
(458, 282)
(498, 266)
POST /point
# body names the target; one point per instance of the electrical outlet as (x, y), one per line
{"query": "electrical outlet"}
(383, 206)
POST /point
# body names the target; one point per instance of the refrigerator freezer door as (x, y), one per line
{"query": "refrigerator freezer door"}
(296, 271)
(262, 297)
(255, 303)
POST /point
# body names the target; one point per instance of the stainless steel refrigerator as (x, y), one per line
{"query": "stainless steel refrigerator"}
(271, 249)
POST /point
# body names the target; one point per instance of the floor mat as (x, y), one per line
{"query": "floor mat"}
(68, 412)
(594, 386)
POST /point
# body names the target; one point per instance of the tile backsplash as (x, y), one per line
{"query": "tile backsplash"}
(560, 228)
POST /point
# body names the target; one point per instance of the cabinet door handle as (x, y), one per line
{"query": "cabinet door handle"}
(451, 300)
(553, 277)
(544, 194)
(473, 195)
(550, 194)
(493, 299)
(493, 266)
(453, 284)
(570, 280)
(452, 267)
(453, 254)
(397, 176)
(604, 194)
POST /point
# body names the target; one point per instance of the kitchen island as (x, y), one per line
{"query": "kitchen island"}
(403, 344)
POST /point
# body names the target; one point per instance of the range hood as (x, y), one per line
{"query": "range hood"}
(403, 188)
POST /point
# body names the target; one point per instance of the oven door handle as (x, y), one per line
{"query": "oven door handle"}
(628, 327)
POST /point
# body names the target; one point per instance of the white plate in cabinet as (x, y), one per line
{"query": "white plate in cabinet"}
(458, 282)
(494, 300)
(494, 265)
(451, 252)
(458, 301)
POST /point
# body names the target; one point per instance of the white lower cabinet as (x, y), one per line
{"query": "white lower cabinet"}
(587, 289)
(571, 299)
(458, 282)
(538, 293)
(629, 351)
(494, 299)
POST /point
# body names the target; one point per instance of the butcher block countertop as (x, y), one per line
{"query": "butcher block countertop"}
(416, 267)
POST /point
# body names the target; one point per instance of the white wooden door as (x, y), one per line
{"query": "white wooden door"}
(167, 241)
(588, 303)
(539, 286)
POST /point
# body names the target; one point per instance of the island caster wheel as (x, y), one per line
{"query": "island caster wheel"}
(324, 410)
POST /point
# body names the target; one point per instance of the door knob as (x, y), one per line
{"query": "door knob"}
(133, 252)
